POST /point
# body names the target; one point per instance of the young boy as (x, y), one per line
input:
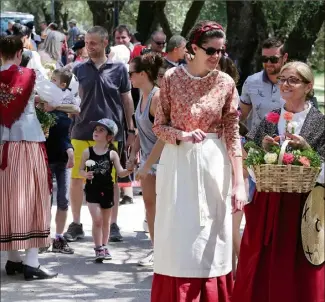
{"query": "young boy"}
(60, 151)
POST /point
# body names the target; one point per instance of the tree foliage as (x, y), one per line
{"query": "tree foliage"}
(247, 22)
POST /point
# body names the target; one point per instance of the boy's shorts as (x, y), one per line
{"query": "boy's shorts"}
(79, 147)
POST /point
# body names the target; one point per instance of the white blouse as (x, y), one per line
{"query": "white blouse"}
(298, 119)
(27, 127)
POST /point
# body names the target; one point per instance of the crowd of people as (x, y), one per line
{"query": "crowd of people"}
(168, 114)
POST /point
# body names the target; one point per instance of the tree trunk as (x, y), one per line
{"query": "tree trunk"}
(58, 5)
(161, 16)
(246, 29)
(65, 19)
(102, 13)
(304, 34)
(146, 18)
(191, 16)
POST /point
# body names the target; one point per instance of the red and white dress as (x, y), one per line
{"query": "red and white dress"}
(24, 176)
(193, 224)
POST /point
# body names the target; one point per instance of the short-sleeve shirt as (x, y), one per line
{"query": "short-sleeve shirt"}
(73, 34)
(262, 94)
(100, 92)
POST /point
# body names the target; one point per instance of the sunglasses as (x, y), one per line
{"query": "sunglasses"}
(210, 51)
(292, 81)
(159, 43)
(130, 73)
(272, 59)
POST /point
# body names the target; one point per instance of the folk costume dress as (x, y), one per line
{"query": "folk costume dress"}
(193, 224)
(272, 264)
(25, 180)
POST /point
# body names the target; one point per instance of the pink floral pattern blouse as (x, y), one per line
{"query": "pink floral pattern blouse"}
(188, 103)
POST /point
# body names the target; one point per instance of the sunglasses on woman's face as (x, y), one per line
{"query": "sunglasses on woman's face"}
(130, 73)
(272, 59)
(210, 51)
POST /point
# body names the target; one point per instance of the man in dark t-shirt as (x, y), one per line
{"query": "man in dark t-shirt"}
(105, 92)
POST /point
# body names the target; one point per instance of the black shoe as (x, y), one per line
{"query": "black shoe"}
(38, 272)
(13, 267)
(126, 200)
(115, 235)
(74, 232)
(60, 245)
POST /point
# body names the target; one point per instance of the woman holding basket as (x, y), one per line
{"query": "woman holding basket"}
(273, 263)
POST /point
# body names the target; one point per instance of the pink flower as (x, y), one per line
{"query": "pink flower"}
(288, 158)
(305, 161)
(288, 116)
(273, 117)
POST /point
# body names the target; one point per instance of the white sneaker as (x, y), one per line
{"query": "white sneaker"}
(147, 261)
(145, 226)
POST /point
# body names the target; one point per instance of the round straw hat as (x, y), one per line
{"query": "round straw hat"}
(312, 226)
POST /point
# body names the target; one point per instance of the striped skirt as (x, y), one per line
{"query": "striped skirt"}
(24, 196)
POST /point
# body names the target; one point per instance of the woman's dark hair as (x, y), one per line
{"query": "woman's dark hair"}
(21, 30)
(9, 45)
(228, 66)
(202, 32)
(150, 63)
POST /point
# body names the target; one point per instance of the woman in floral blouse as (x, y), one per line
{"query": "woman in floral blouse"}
(193, 227)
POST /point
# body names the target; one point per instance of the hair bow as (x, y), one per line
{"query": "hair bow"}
(205, 29)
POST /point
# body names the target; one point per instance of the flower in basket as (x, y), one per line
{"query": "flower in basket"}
(304, 161)
(270, 158)
(288, 158)
(291, 127)
(89, 164)
(273, 117)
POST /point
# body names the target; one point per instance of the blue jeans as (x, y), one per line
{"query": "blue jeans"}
(62, 176)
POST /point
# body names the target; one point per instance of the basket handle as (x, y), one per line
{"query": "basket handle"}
(282, 151)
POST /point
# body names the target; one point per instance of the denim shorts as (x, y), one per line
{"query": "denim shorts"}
(62, 176)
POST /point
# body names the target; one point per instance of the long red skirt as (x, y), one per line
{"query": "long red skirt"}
(272, 266)
(174, 289)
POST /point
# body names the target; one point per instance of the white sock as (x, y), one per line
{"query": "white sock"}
(14, 256)
(31, 258)
(128, 191)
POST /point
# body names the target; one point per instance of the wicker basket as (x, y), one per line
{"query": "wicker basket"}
(285, 178)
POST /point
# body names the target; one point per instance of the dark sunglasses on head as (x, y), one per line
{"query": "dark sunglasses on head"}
(272, 59)
(210, 51)
(159, 43)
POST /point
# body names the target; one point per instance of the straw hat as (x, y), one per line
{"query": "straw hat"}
(312, 226)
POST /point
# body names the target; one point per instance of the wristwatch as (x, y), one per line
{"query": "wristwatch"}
(131, 131)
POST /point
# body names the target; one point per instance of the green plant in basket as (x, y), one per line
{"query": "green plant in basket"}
(46, 119)
(255, 154)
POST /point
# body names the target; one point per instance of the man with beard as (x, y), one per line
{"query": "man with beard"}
(105, 92)
(260, 93)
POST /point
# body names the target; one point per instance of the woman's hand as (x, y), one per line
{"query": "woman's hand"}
(48, 108)
(239, 198)
(141, 174)
(195, 136)
(268, 141)
(297, 141)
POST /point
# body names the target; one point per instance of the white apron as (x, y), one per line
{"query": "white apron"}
(193, 223)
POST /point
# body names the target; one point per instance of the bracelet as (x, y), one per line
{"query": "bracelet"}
(131, 131)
